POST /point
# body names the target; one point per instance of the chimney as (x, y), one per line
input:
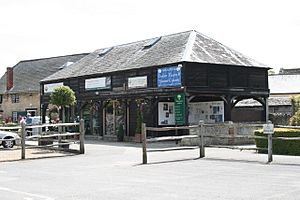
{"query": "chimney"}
(9, 78)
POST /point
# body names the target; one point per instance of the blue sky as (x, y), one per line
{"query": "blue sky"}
(267, 31)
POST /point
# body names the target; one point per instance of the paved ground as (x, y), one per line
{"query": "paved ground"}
(14, 154)
(113, 171)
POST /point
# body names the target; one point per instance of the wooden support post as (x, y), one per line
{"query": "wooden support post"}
(40, 129)
(144, 143)
(103, 121)
(270, 150)
(127, 118)
(267, 109)
(59, 137)
(23, 135)
(201, 135)
(81, 136)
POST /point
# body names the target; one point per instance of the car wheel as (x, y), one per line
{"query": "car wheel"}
(8, 144)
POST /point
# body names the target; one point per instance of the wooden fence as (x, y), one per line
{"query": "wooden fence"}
(200, 135)
(55, 137)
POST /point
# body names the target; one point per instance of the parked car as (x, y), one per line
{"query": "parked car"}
(15, 139)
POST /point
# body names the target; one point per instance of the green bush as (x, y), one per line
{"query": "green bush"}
(281, 147)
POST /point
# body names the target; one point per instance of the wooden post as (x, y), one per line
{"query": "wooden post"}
(59, 137)
(270, 150)
(144, 141)
(114, 117)
(103, 121)
(267, 109)
(269, 130)
(40, 129)
(200, 134)
(23, 135)
(81, 136)
(127, 118)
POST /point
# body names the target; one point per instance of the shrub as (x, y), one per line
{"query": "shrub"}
(281, 147)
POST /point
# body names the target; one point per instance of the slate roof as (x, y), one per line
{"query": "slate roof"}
(190, 46)
(284, 84)
(289, 71)
(273, 101)
(28, 73)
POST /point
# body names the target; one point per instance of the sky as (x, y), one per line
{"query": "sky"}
(265, 30)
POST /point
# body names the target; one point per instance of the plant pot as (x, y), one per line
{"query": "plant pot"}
(138, 137)
(44, 141)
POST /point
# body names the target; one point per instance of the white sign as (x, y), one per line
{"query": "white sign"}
(268, 128)
(97, 83)
(209, 112)
(137, 82)
(166, 114)
(48, 88)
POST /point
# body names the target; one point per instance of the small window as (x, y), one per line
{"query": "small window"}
(102, 52)
(15, 98)
(151, 42)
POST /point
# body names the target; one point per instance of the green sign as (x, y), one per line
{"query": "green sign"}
(179, 101)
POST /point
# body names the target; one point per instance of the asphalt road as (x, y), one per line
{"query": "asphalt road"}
(113, 171)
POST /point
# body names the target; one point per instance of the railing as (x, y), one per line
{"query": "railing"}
(168, 138)
(200, 135)
(53, 136)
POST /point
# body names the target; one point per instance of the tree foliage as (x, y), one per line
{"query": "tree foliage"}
(63, 96)
(295, 119)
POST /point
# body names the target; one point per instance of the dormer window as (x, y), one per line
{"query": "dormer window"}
(151, 42)
(102, 52)
(66, 65)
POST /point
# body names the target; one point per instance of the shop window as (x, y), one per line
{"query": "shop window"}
(15, 98)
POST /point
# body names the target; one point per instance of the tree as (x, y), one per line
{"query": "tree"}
(271, 72)
(295, 119)
(63, 96)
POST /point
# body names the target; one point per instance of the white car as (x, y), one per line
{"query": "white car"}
(13, 139)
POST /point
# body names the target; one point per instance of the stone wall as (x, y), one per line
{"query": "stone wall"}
(229, 129)
(26, 101)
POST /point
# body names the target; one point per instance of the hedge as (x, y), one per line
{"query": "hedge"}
(280, 147)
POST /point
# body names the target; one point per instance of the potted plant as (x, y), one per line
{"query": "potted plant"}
(120, 133)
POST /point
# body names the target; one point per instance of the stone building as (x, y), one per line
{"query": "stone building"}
(20, 85)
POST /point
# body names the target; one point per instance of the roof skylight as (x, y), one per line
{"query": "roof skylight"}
(102, 52)
(66, 65)
(151, 42)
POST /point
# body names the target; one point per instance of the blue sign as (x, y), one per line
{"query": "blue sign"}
(169, 77)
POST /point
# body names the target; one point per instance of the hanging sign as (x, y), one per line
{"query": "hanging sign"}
(179, 105)
(98, 83)
(49, 88)
(137, 82)
(169, 77)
